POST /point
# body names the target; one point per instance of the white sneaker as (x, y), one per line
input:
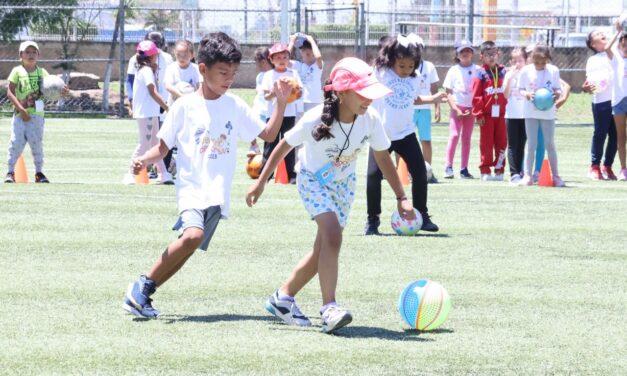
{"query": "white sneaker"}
(128, 179)
(515, 180)
(558, 182)
(166, 178)
(622, 176)
(497, 177)
(335, 317)
(487, 177)
(286, 310)
(526, 180)
(448, 173)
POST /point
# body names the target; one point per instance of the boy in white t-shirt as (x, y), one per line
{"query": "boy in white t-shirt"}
(280, 58)
(205, 126)
(309, 69)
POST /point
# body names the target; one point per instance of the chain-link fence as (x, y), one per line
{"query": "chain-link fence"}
(88, 42)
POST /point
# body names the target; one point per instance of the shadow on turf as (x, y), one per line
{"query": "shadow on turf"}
(418, 235)
(171, 319)
(371, 332)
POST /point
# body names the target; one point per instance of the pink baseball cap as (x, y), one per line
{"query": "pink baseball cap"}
(147, 48)
(352, 73)
(278, 47)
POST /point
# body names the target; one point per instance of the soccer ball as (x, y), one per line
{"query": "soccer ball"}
(424, 304)
(52, 87)
(429, 171)
(543, 99)
(403, 227)
(253, 167)
(184, 87)
(295, 91)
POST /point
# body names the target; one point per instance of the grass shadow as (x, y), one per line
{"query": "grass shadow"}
(421, 234)
(381, 333)
(171, 319)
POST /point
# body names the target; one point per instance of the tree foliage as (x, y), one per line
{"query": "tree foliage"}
(14, 18)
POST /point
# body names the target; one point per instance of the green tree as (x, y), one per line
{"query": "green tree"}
(13, 20)
(160, 19)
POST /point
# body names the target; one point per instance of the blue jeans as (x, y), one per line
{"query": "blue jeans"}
(604, 127)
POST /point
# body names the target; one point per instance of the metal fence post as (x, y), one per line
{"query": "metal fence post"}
(122, 9)
(356, 29)
(298, 16)
(471, 20)
(306, 21)
(362, 31)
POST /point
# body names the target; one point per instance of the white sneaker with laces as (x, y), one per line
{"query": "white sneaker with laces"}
(486, 177)
(448, 173)
(558, 182)
(623, 175)
(526, 180)
(334, 318)
(515, 180)
(498, 177)
(286, 310)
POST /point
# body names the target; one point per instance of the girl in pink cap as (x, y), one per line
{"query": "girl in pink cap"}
(146, 105)
(331, 137)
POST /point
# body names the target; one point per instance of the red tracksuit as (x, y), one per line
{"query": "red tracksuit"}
(493, 133)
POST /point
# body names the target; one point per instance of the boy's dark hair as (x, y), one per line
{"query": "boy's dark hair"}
(543, 50)
(330, 113)
(157, 38)
(393, 51)
(305, 46)
(218, 48)
(486, 46)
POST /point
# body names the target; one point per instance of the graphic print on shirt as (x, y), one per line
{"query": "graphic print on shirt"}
(216, 146)
(343, 161)
(402, 94)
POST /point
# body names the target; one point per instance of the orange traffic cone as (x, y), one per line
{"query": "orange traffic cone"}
(403, 173)
(545, 179)
(142, 177)
(20, 171)
(281, 174)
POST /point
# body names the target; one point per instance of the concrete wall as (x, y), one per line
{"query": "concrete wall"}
(565, 58)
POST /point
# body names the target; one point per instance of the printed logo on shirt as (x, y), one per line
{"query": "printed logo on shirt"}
(216, 146)
(344, 160)
(490, 90)
(402, 94)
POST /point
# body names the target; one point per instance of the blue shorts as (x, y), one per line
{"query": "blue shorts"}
(422, 119)
(206, 219)
(620, 108)
(336, 196)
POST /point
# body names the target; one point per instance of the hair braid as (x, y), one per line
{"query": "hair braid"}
(329, 115)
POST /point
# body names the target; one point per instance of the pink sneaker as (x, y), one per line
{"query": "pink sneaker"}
(558, 182)
(623, 175)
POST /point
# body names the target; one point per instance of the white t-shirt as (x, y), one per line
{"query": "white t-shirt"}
(311, 76)
(144, 106)
(260, 104)
(427, 75)
(599, 72)
(163, 61)
(313, 155)
(397, 109)
(516, 102)
(619, 77)
(268, 82)
(175, 74)
(206, 134)
(459, 80)
(531, 79)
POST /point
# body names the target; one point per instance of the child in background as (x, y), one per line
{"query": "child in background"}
(260, 104)
(309, 69)
(428, 76)
(27, 124)
(458, 85)
(514, 115)
(488, 107)
(205, 126)
(331, 140)
(598, 83)
(618, 61)
(280, 59)
(395, 67)
(181, 72)
(538, 75)
(146, 105)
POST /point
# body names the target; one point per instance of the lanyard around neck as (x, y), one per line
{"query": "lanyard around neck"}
(347, 140)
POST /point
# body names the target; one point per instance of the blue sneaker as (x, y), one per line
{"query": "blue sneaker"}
(286, 310)
(137, 300)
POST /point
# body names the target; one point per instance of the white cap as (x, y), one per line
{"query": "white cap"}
(28, 43)
(462, 45)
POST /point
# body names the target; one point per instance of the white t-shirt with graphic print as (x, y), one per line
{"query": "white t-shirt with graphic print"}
(397, 109)
(206, 134)
(531, 79)
(313, 155)
(427, 75)
(459, 80)
(311, 76)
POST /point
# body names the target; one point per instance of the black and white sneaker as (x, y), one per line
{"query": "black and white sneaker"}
(427, 225)
(372, 226)
(464, 174)
(335, 317)
(286, 310)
